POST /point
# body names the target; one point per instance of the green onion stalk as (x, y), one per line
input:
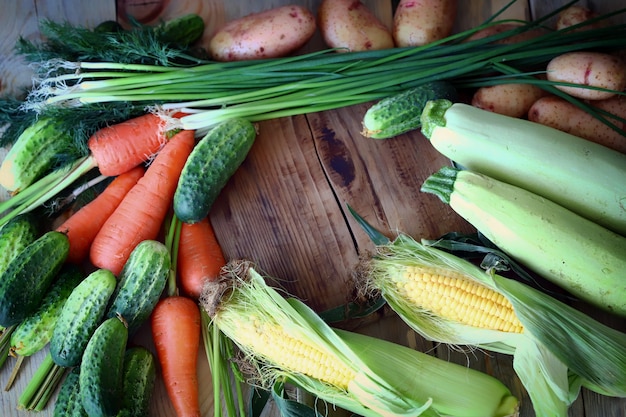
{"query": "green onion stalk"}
(210, 92)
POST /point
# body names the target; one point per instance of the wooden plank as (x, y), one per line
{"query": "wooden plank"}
(279, 212)
(14, 74)
(285, 208)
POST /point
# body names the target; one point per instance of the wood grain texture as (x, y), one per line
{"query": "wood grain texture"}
(285, 208)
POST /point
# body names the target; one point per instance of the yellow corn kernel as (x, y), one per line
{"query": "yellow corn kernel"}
(453, 296)
(271, 342)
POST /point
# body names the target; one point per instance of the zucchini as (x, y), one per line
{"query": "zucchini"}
(102, 369)
(585, 177)
(140, 283)
(68, 402)
(401, 113)
(572, 252)
(28, 276)
(210, 165)
(34, 333)
(82, 313)
(34, 152)
(15, 235)
(138, 382)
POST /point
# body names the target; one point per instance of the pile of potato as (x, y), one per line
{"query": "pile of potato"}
(350, 26)
(345, 24)
(584, 68)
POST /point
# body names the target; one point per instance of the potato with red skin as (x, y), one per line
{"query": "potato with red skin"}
(514, 99)
(575, 15)
(272, 33)
(560, 114)
(420, 22)
(594, 69)
(350, 25)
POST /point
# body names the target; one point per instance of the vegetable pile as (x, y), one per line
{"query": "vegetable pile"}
(107, 228)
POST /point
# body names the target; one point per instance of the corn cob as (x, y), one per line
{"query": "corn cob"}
(556, 348)
(282, 338)
(450, 294)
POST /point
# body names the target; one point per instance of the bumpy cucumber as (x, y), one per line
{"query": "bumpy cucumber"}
(82, 313)
(34, 333)
(28, 276)
(68, 403)
(15, 235)
(139, 379)
(401, 113)
(34, 153)
(210, 165)
(102, 369)
(141, 283)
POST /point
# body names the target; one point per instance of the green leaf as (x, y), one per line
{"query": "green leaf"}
(290, 408)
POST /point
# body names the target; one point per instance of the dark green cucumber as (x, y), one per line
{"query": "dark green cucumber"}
(34, 333)
(82, 313)
(140, 283)
(68, 402)
(401, 113)
(210, 165)
(102, 369)
(15, 235)
(183, 30)
(34, 152)
(139, 379)
(28, 276)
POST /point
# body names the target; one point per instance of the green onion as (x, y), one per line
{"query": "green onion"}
(264, 89)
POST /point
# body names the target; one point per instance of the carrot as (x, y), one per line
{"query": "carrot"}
(82, 227)
(113, 150)
(120, 147)
(200, 256)
(175, 324)
(140, 214)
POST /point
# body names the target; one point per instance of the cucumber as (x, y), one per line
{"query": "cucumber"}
(401, 113)
(34, 152)
(82, 313)
(102, 369)
(210, 165)
(15, 235)
(28, 276)
(183, 30)
(140, 283)
(139, 380)
(68, 403)
(34, 333)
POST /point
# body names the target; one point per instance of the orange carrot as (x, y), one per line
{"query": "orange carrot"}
(140, 214)
(175, 324)
(82, 226)
(200, 256)
(120, 147)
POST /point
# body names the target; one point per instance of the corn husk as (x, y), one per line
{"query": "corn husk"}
(560, 349)
(390, 379)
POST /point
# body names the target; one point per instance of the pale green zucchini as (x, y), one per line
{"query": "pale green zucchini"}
(585, 177)
(580, 256)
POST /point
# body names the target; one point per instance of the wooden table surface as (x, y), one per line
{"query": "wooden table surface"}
(285, 208)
